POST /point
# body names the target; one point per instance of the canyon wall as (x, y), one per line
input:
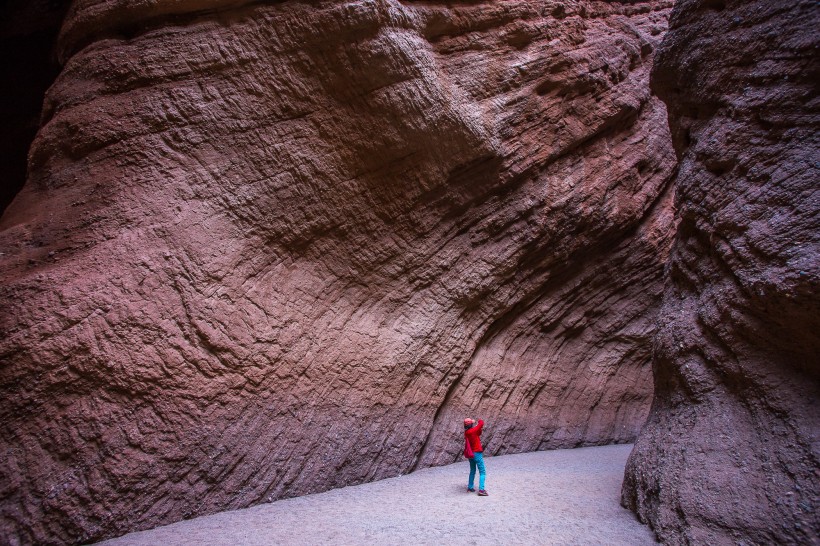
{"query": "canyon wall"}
(731, 450)
(270, 248)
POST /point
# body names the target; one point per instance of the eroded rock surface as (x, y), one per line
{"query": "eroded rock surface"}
(267, 249)
(731, 453)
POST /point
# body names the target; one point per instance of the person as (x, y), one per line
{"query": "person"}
(472, 433)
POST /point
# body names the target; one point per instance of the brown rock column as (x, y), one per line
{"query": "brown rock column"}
(270, 248)
(731, 450)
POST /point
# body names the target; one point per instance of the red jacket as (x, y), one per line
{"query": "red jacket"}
(472, 434)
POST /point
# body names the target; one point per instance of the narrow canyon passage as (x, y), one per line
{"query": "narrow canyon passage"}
(271, 248)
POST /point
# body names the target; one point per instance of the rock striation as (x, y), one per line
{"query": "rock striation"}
(730, 452)
(271, 248)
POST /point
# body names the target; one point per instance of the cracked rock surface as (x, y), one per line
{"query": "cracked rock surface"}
(272, 248)
(731, 450)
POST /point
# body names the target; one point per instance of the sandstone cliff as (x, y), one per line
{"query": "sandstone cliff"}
(271, 248)
(731, 451)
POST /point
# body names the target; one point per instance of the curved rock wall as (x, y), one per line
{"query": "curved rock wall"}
(270, 248)
(731, 451)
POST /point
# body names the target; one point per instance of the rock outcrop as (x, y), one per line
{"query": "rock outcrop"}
(271, 248)
(731, 453)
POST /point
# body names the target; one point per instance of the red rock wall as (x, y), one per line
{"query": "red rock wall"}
(266, 249)
(731, 452)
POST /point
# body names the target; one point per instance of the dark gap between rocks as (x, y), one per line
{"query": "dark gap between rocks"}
(28, 33)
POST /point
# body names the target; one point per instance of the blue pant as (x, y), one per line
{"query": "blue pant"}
(477, 461)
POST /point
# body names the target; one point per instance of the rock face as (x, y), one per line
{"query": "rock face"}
(731, 452)
(271, 248)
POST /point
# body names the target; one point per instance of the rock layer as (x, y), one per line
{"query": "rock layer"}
(271, 248)
(731, 453)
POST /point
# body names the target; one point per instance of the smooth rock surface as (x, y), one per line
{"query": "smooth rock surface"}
(560, 497)
(267, 249)
(731, 451)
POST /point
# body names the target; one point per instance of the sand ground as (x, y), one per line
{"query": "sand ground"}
(561, 497)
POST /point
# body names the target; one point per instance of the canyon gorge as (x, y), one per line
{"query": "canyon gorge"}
(271, 248)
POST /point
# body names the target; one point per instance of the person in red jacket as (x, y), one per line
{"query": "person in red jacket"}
(472, 433)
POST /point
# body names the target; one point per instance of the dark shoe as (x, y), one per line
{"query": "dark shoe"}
(482, 493)
(471, 489)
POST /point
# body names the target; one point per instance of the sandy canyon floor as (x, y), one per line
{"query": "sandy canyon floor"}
(565, 496)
